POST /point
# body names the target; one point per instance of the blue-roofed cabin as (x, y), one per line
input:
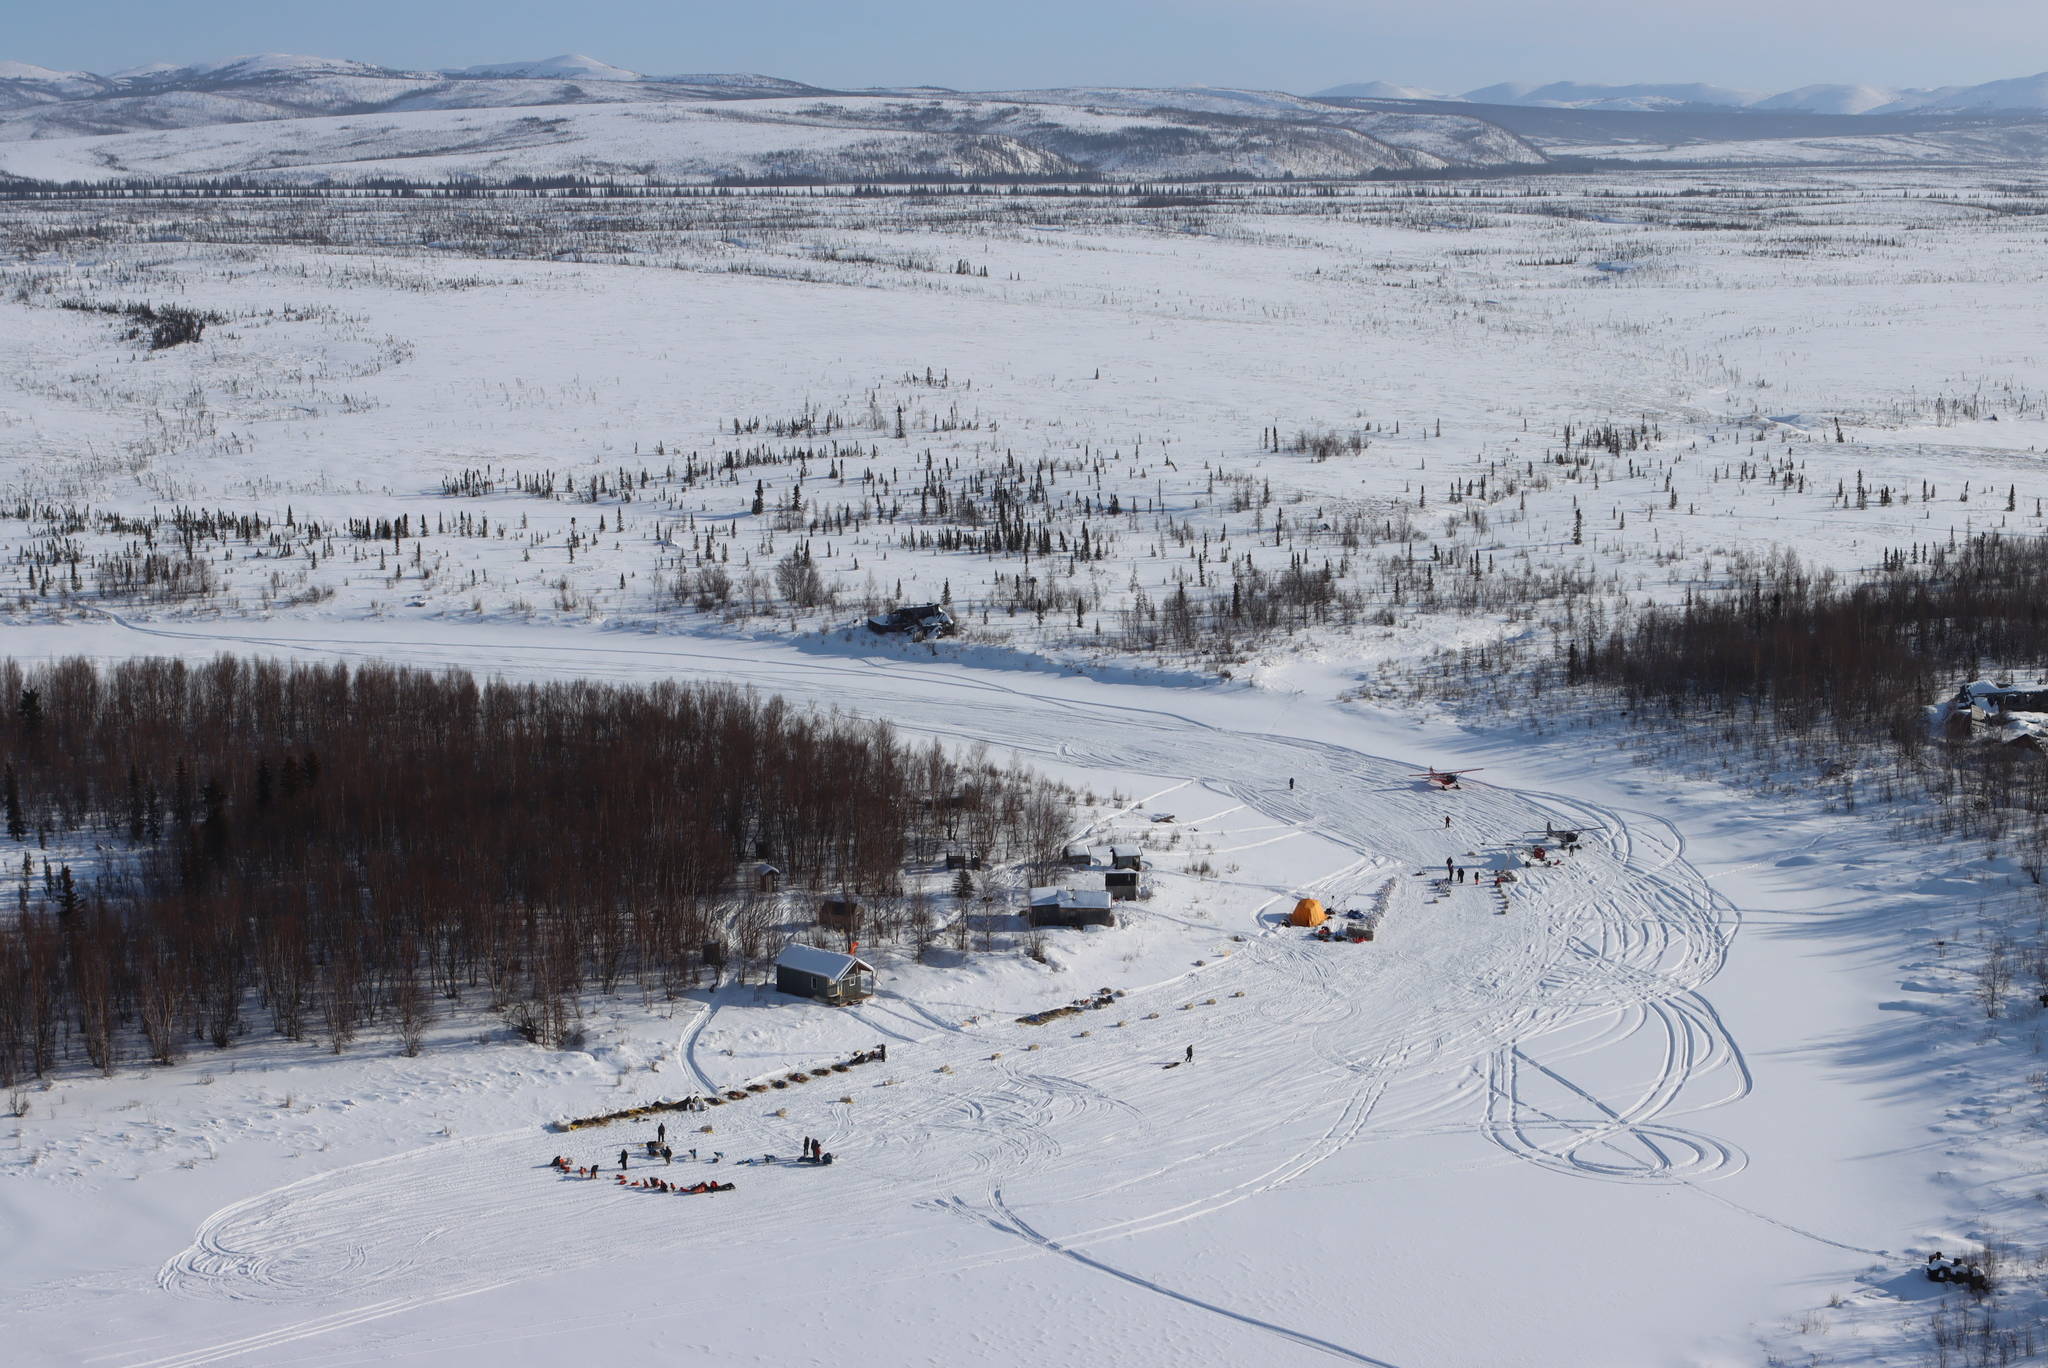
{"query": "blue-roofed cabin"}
(827, 975)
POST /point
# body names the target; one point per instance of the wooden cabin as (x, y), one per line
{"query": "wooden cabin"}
(1121, 885)
(1078, 857)
(826, 975)
(1988, 702)
(1072, 907)
(2022, 734)
(1126, 857)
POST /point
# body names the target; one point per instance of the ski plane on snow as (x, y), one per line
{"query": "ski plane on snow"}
(1559, 836)
(1444, 779)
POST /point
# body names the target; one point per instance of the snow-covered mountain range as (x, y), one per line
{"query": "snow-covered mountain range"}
(2021, 94)
(312, 118)
(334, 120)
(36, 102)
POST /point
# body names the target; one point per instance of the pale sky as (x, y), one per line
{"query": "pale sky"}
(1299, 45)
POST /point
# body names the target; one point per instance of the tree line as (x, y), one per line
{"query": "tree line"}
(1863, 656)
(207, 850)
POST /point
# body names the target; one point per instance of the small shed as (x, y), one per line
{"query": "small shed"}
(1070, 907)
(841, 915)
(767, 878)
(1078, 857)
(960, 859)
(1121, 885)
(1308, 912)
(2023, 731)
(1126, 857)
(827, 975)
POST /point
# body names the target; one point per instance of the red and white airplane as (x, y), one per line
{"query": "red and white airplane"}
(1444, 779)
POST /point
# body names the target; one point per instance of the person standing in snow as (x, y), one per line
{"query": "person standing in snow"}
(622, 1161)
(661, 1134)
(1190, 1056)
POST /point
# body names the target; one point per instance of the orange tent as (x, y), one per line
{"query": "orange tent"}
(1308, 912)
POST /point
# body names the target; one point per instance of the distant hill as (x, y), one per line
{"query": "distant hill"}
(287, 116)
(573, 66)
(2024, 94)
(1381, 90)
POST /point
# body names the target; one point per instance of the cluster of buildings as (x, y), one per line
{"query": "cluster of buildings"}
(839, 978)
(2010, 714)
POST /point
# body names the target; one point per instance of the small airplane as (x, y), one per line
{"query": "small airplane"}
(1562, 836)
(1444, 779)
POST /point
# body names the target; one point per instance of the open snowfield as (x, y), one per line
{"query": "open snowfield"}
(1704, 1094)
(1608, 1117)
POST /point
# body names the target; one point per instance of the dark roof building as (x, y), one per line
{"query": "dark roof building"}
(917, 622)
(1069, 907)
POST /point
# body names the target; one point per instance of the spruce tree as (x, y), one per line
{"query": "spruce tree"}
(17, 827)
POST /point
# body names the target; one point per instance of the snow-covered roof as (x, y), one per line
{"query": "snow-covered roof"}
(1984, 688)
(1124, 850)
(1092, 899)
(809, 959)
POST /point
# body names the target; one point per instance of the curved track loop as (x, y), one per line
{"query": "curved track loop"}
(1571, 1032)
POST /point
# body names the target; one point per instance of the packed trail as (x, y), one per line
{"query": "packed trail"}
(1573, 1035)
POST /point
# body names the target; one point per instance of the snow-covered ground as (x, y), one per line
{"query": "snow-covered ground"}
(1704, 1093)
(1614, 1104)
